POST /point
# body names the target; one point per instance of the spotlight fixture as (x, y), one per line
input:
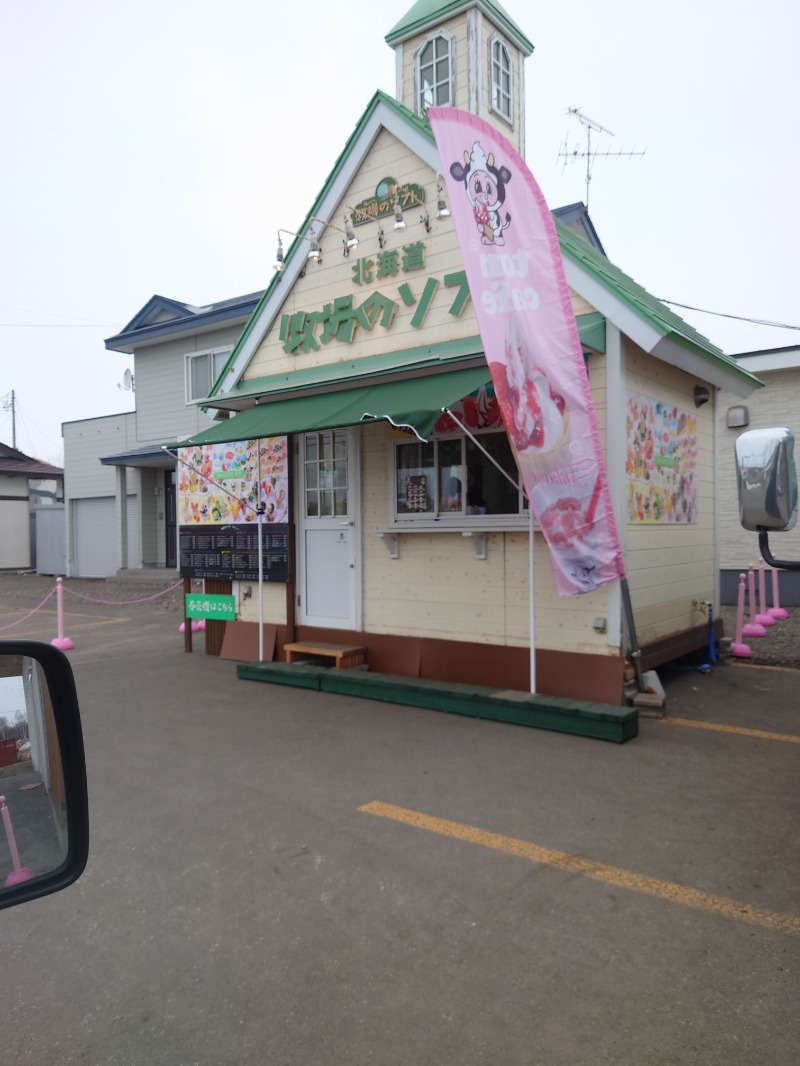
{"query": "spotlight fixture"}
(399, 221)
(349, 242)
(426, 222)
(442, 210)
(381, 238)
(315, 253)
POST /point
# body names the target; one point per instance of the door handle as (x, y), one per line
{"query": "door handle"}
(345, 523)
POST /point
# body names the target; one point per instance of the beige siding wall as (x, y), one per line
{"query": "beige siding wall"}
(437, 588)
(457, 27)
(511, 132)
(334, 276)
(668, 566)
(777, 404)
(274, 603)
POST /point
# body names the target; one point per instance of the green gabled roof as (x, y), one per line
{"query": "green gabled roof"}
(429, 13)
(647, 307)
(596, 266)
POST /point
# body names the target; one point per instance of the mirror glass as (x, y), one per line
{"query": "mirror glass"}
(766, 479)
(33, 812)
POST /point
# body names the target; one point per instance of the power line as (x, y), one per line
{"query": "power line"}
(50, 314)
(721, 314)
(57, 325)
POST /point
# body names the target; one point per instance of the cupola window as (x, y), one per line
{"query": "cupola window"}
(501, 79)
(435, 73)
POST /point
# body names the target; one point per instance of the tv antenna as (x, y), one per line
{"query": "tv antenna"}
(578, 152)
(128, 382)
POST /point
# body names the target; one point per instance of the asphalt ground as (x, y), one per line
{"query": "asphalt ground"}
(286, 877)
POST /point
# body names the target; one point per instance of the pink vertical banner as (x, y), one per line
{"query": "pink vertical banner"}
(516, 278)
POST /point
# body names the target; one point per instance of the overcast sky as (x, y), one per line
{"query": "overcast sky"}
(156, 146)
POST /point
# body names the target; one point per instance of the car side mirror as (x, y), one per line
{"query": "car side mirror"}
(44, 814)
(766, 480)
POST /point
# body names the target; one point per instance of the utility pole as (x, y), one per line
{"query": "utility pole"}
(9, 405)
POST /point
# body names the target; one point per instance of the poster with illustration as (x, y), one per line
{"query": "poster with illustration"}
(660, 463)
(220, 488)
(220, 484)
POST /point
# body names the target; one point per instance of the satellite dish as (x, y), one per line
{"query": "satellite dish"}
(128, 383)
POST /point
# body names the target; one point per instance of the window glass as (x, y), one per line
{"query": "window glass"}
(434, 73)
(325, 462)
(501, 79)
(454, 476)
(415, 478)
(202, 370)
(451, 476)
(488, 491)
(198, 376)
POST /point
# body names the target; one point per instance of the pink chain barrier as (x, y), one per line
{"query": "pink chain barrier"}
(121, 603)
(25, 617)
(64, 642)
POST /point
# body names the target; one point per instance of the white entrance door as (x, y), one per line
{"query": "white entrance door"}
(329, 555)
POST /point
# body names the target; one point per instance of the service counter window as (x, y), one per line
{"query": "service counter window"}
(454, 480)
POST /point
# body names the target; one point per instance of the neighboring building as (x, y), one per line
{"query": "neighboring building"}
(26, 484)
(178, 351)
(777, 404)
(391, 550)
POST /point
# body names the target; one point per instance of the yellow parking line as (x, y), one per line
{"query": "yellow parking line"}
(787, 738)
(597, 871)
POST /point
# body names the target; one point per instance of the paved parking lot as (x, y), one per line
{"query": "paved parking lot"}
(290, 877)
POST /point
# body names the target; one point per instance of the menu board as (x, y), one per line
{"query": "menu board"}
(232, 552)
(220, 490)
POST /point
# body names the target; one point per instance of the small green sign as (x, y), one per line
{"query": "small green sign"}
(201, 605)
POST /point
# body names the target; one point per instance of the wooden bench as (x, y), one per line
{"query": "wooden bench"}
(344, 655)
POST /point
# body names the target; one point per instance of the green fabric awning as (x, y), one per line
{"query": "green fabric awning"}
(415, 403)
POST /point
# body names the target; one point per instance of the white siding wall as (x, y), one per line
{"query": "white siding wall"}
(777, 404)
(668, 566)
(85, 443)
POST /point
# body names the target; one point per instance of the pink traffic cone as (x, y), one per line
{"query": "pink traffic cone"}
(740, 650)
(753, 627)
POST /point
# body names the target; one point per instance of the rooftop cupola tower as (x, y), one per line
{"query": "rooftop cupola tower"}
(463, 53)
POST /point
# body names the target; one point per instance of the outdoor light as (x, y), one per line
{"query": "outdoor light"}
(399, 221)
(315, 252)
(280, 266)
(349, 242)
(381, 238)
(426, 222)
(442, 210)
(350, 239)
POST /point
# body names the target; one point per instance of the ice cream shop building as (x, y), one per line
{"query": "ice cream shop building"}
(357, 411)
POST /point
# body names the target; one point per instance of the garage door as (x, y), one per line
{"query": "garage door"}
(96, 537)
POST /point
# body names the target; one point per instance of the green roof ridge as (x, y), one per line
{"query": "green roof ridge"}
(611, 277)
(433, 12)
(380, 97)
(647, 306)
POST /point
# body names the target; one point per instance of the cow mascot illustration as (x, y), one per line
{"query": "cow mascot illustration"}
(486, 191)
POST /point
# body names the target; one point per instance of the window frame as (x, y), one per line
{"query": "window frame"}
(449, 40)
(440, 518)
(212, 354)
(495, 75)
